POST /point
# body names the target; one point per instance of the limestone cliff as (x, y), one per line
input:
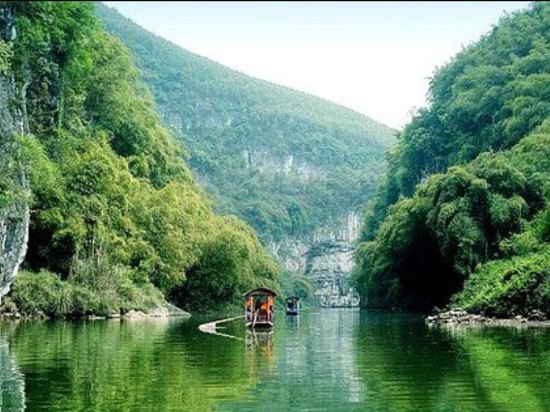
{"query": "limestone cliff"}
(14, 208)
(326, 258)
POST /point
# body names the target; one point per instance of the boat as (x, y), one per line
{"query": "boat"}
(292, 305)
(259, 305)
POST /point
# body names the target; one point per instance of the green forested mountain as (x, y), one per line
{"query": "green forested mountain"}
(285, 161)
(117, 221)
(465, 200)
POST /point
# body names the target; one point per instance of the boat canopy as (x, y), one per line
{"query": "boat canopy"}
(260, 292)
(293, 299)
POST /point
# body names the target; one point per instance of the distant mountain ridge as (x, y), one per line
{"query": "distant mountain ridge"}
(287, 162)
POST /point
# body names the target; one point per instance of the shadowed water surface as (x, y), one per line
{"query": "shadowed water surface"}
(331, 360)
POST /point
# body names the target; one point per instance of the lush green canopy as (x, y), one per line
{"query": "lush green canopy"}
(116, 214)
(468, 175)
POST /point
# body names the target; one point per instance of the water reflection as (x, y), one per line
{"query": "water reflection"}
(509, 365)
(260, 355)
(406, 365)
(12, 384)
(331, 360)
(114, 365)
(315, 366)
(292, 321)
(259, 339)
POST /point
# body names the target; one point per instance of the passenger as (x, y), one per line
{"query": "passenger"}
(249, 303)
(269, 308)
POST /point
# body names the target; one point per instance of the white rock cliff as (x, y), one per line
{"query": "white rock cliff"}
(14, 208)
(326, 258)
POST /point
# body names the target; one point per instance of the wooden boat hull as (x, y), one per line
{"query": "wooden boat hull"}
(259, 325)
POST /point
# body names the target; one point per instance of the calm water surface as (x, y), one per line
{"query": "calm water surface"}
(331, 360)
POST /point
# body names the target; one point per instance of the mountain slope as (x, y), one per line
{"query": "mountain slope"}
(465, 203)
(117, 221)
(287, 162)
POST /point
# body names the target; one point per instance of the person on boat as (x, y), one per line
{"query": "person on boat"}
(264, 310)
(249, 303)
(269, 307)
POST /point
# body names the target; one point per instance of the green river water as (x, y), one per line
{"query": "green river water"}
(327, 360)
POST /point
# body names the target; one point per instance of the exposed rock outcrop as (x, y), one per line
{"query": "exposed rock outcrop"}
(262, 160)
(14, 208)
(458, 316)
(326, 258)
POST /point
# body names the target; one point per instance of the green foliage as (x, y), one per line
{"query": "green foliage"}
(486, 134)
(116, 214)
(231, 262)
(284, 161)
(491, 95)
(293, 284)
(509, 287)
(6, 54)
(53, 41)
(431, 243)
(93, 290)
(544, 227)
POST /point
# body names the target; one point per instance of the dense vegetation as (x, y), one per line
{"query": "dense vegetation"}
(117, 220)
(285, 161)
(466, 194)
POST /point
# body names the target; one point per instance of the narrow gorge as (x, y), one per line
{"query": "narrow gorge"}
(324, 255)
(297, 168)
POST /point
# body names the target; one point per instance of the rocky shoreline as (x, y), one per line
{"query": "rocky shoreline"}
(454, 317)
(164, 310)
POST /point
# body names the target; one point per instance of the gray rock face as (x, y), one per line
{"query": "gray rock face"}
(262, 160)
(14, 208)
(326, 257)
(7, 27)
(14, 235)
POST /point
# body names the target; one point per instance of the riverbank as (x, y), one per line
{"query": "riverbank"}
(163, 310)
(461, 317)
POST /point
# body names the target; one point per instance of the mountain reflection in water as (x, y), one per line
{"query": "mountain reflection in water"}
(329, 360)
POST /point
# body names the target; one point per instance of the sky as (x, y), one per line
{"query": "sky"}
(373, 57)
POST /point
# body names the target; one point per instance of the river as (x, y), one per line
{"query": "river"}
(327, 360)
